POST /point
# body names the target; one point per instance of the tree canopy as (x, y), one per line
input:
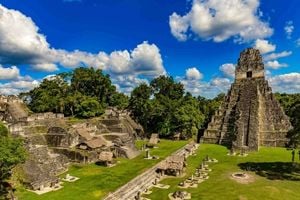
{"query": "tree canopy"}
(12, 153)
(291, 106)
(163, 107)
(84, 93)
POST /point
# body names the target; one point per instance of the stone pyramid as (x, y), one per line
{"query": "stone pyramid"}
(249, 116)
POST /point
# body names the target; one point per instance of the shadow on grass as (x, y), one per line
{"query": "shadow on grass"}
(274, 170)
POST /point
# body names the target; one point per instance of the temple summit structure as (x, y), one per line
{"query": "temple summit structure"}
(249, 116)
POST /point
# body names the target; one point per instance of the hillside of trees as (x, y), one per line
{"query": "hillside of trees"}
(162, 106)
(291, 106)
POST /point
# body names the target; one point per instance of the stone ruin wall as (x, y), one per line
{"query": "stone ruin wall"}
(58, 144)
(10, 99)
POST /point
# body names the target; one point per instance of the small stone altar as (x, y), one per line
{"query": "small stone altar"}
(179, 195)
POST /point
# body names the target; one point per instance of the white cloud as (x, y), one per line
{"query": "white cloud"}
(228, 70)
(126, 84)
(274, 56)
(289, 28)
(15, 87)
(195, 85)
(222, 84)
(47, 67)
(219, 20)
(286, 83)
(264, 46)
(31, 47)
(8, 73)
(19, 38)
(275, 64)
(179, 26)
(193, 74)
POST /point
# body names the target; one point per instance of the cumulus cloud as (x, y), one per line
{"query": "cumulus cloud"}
(193, 83)
(289, 28)
(219, 20)
(179, 26)
(275, 64)
(32, 48)
(18, 86)
(286, 83)
(193, 74)
(264, 46)
(126, 84)
(274, 56)
(47, 67)
(8, 73)
(228, 70)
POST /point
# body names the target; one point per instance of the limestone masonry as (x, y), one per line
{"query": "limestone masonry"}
(249, 116)
(53, 141)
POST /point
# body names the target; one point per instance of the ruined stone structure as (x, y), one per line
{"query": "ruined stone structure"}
(53, 141)
(250, 116)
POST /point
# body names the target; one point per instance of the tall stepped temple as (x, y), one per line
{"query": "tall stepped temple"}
(249, 116)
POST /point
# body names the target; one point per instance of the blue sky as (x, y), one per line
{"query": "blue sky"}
(197, 42)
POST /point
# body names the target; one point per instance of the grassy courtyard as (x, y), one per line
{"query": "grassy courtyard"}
(97, 181)
(274, 176)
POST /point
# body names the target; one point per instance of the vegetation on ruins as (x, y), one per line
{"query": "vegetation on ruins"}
(11, 153)
(84, 93)
(163, 107)
(291, 106)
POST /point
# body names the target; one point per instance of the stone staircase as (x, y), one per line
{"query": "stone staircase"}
(16, 111)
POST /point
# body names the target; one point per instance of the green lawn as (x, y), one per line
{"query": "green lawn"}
(276, 180)
(96, 181)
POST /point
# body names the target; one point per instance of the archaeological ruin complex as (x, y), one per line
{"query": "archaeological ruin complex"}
(249, 116)
(54, 141)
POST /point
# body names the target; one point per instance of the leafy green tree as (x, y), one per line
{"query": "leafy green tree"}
(3, 131)
(162, 107)
(139, 104)
(12, 153)
(89, 107)
(294, 134)
(92, 82)
(49, 96)
(72, 92)
(119, 100)
(189, 116)
(166, 86)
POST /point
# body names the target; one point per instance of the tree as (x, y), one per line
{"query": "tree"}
(73, 92)
(166, 86)
(119, 100)
(89, 107)
(139, 104)
(294, 134)
(12, 153)
(92, 82)
(162, 107)
(49, 96)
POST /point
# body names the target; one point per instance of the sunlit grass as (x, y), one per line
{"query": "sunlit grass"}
(97, 181)
(220, 187)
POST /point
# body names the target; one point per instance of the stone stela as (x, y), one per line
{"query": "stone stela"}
(249, 116)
